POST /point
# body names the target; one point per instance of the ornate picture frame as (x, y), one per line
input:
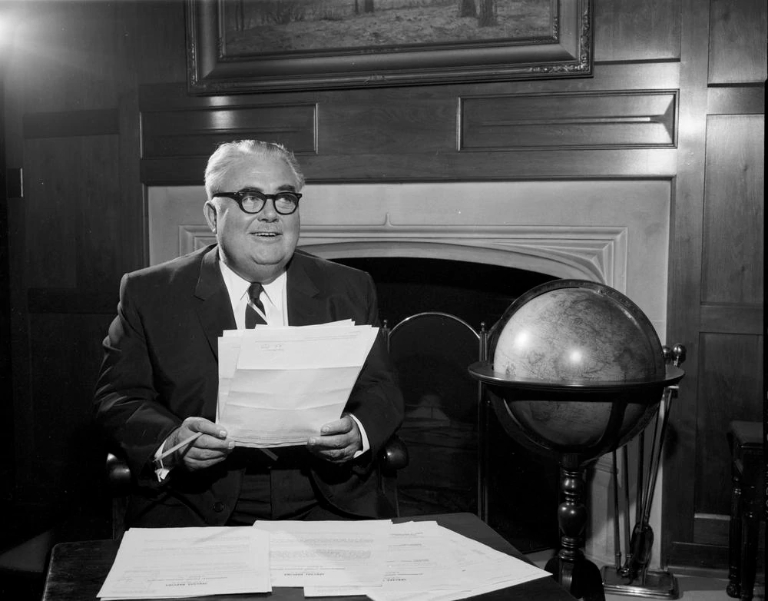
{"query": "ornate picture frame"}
(221, 60)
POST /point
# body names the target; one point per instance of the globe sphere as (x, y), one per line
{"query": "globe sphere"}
(577, 358)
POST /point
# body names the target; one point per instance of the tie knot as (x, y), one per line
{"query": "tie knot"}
(254, 291)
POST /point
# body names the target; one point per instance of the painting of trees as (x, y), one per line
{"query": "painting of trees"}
(274, 26)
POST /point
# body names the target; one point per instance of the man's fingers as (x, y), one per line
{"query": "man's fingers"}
(334, 448)
(200, 424)
(201, 433)
(199, 458)
(340, 426)
(201, 454)
(201, 443)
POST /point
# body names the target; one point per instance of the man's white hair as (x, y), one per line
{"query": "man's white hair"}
(229, 153)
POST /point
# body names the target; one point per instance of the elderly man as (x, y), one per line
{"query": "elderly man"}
(159, 379)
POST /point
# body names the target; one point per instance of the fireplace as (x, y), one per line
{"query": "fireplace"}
(613, 232)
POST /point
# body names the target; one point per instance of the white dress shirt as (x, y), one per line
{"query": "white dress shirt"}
(272, 297)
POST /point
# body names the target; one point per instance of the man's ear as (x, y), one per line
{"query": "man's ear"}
(209, 209)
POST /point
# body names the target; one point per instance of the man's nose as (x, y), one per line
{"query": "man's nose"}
(268, 213)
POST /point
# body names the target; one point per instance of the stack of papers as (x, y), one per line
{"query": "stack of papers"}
(279, 385)
(425, 562)
(327, 553)
(157, 563)
(412, 561)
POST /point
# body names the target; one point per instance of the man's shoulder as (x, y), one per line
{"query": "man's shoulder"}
(185, 266)
(326, 268)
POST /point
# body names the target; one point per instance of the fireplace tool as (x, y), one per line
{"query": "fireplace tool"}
(633, 577)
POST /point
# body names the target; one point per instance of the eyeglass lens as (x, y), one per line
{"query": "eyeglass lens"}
(253, 201)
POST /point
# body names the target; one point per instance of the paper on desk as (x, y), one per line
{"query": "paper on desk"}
(279, 385)
(330, 553)
(189, 562)
(426, 562)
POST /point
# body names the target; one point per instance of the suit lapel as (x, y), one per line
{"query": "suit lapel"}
(215, 308)
(303, 306)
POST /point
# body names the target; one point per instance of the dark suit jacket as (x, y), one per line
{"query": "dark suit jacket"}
(160, 366)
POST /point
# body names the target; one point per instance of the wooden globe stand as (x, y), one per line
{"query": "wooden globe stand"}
(630, 406)
(569, 567)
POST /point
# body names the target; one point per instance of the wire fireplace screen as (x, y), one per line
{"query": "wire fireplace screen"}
(460, 460)
(435, 310)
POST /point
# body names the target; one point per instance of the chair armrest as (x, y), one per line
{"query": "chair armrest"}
(394, 455)
(118, 475)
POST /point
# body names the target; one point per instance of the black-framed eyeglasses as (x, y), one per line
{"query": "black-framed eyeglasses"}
(253, 201)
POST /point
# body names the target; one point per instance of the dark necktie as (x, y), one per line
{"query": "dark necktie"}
(251, 316)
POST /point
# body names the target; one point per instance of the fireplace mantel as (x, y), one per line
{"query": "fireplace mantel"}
(613, 232)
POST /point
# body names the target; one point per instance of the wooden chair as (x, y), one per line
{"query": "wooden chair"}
(747, 495)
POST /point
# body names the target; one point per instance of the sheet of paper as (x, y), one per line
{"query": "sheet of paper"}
(182, 562)
(279, 385)
(331, 553)
(426, 562)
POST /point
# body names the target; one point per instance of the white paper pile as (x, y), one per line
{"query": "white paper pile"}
(412, 561)
(426, 562)
(154, 563)
(331, 553)
(279, 385)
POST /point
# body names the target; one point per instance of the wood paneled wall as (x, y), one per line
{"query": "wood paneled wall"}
(97, 108)
(716, 267)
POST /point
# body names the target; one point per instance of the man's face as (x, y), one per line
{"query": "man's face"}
(256, 247)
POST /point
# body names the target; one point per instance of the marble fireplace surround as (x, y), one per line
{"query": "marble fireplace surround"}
(608, 231)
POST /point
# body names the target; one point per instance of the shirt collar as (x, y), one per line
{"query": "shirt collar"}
(238, 287)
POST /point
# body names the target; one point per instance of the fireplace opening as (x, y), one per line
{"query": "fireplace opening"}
(431, 355)
(475, 292)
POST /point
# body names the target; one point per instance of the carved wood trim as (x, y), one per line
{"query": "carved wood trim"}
(593, 253)
(599, 119)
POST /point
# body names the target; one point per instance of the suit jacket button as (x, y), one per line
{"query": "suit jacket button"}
(218, 506)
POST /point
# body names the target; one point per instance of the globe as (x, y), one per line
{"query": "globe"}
(577, 367)
(576, 370)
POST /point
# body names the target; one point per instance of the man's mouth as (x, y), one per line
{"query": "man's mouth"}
(266, 234)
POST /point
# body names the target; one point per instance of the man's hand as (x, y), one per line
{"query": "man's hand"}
(338, 441)
(208, 449)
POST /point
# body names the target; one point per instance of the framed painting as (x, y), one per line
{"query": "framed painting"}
(285, 45)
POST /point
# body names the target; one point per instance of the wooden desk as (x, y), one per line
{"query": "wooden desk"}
(77, 570)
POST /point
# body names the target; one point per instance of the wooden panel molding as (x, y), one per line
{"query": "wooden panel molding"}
(733, 237)
(685, 557)
(619, 119)
(198, 132)
(737, 36)
(71, 123)
(628, 31)
(678, 502)
(736, 100)
(447, 166)
(72, 205)
(730, 388)
(711, 529)
(735, 319)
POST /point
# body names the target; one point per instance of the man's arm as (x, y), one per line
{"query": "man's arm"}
(126, 402)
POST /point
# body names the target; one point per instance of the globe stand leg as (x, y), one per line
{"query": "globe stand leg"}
(569, 567)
